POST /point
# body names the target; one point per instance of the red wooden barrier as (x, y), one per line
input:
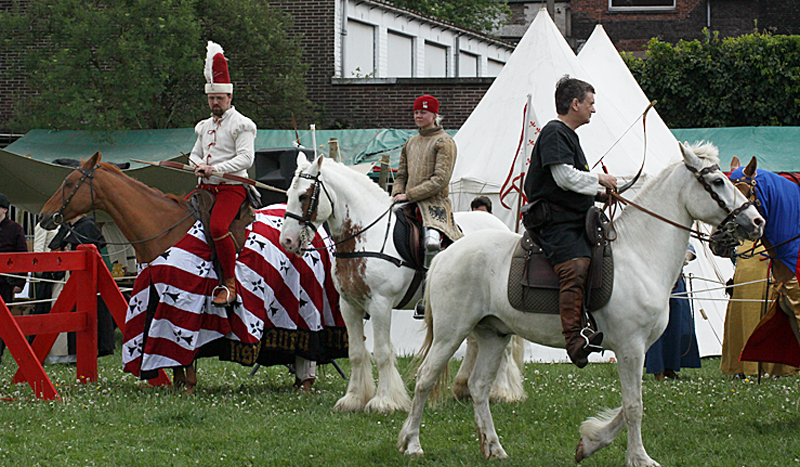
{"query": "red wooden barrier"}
(89, 276)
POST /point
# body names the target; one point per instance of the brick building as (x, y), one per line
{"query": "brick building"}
(631, 23)
(368, 60)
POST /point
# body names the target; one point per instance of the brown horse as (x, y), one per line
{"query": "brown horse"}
(149, 219)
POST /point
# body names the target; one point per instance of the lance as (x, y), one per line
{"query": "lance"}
(231, 177)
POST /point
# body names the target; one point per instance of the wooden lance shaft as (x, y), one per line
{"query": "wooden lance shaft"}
(231, 177)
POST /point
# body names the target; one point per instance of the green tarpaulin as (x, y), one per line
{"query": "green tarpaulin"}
(30, 178)
(776, 148)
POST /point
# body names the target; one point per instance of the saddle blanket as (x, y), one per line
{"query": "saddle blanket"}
(286, 306)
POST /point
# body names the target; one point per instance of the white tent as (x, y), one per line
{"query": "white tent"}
(488, 140)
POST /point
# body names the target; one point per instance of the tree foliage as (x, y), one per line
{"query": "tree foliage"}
(480, 15)
(138, 64)
(751, 80)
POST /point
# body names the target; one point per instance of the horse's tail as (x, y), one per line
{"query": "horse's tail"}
(438, 389)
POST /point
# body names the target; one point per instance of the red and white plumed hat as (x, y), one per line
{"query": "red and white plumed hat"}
(217, 79)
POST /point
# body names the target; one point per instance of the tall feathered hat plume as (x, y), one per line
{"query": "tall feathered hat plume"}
(216, 71)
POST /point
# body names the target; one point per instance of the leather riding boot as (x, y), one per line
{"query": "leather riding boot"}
(225, 293)
(581, 341)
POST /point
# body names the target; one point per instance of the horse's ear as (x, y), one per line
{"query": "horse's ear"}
(735, 163)
(302, 161)
(93, 161)
(688, 156)
(318, 161)
(750, 170)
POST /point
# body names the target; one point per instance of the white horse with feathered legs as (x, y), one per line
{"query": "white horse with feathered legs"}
(466, 293)
(360, 217)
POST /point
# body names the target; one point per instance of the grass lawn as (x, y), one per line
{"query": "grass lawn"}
(703, 419)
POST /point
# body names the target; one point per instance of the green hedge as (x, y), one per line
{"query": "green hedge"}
(751, 80)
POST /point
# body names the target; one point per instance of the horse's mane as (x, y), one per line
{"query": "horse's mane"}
(705, 150)
(156, 192)
(365, 184)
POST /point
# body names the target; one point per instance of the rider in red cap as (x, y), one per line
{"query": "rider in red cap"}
(423, 177)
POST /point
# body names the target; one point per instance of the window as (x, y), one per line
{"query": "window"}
(359, 56)
(435, 61)
(494, 67)
(400, 55)
(641, 4)
(467, 65)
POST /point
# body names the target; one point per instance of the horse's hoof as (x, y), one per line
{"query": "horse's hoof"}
(461, 392)
(385, 406)
(579, 452)
(189, 390)
(348, 405)
(305, 385)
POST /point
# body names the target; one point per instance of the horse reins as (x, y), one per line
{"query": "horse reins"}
(58, 217)
(310, 213)
(725, 227)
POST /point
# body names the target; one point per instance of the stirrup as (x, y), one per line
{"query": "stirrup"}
(228, 299)
(592, 340)
(419, 310)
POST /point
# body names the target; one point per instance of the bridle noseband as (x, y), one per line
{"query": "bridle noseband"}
(310, 211)
(58, 217)
(723, 241)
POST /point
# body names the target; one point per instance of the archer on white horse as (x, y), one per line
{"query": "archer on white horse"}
(466, 292)
(359, 214)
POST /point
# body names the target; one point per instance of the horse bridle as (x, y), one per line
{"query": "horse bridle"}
(752, 195)
(722, 241)
(310, 210)
(58, 217)
(309, 229)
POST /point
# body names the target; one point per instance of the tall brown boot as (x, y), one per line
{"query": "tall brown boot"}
(225, 293)
(580, 342)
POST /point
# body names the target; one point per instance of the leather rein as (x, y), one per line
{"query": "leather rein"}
(309, 229)
(58, 217)
(724, 232)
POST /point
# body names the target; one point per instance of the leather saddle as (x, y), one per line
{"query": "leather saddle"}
(533, 285)
(200, 204)
(407, 236)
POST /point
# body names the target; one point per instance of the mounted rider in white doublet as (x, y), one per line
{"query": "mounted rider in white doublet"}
(225, 143)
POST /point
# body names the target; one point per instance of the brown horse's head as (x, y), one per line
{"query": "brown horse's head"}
(75, 196)
(745, 184)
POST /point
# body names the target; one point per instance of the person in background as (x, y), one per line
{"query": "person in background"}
(12, 239)
(481, 203)
(79, 231)
(677, 347)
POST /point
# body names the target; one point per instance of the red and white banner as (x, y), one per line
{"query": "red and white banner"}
(286, 303)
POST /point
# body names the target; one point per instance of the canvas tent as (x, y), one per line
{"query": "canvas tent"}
(488, 140)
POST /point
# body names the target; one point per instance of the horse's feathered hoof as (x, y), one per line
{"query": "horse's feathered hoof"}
(579, 452)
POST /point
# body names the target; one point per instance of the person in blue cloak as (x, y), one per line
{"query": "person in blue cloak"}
(677, 346)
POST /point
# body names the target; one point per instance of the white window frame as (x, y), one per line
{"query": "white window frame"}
(641, 7)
